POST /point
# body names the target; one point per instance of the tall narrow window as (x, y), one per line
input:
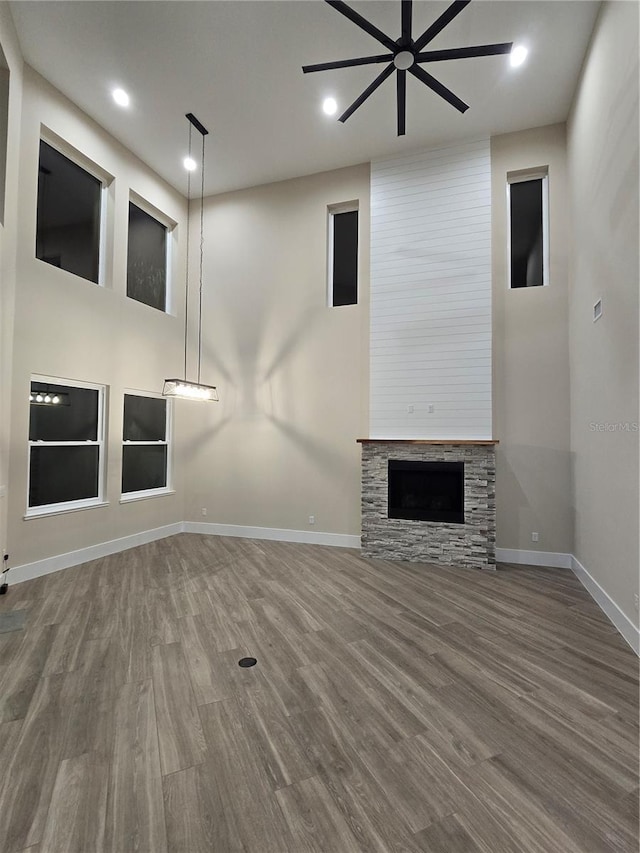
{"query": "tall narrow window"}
(145, 452)
(65, 446)
(147, 259)
(4, 127)
(528, 231)
(68, 225)
(343, 256)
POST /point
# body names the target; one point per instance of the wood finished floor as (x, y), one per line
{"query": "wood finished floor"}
(395, 707)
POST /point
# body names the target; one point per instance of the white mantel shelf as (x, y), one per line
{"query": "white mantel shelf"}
(450, 441)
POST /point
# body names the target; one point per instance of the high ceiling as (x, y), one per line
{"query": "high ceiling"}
(237, 66)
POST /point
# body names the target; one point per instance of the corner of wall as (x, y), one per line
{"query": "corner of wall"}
(603, 137)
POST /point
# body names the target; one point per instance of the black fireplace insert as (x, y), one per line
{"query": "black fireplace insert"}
(426, 491)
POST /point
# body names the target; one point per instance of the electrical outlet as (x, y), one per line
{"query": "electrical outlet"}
(636, 602)
(312, 519)
(410, 408)
(597, 310)
(203, 510)
(535, 537)
(431, 408)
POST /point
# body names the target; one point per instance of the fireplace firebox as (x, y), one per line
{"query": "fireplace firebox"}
(426, 491)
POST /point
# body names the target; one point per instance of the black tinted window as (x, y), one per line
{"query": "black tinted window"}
(345, 258)
(144, 466)
(145, 418)
(74, 417)
(527, 262)
(146, 259)
(68, 224)
(60, 474)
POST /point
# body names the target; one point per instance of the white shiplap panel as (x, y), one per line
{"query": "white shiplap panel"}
(430, 344)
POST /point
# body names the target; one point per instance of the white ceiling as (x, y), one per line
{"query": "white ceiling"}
(237, 66)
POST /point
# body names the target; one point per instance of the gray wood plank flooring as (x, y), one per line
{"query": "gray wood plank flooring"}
(395, 707)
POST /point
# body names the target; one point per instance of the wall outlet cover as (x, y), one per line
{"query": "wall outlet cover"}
(597, 310)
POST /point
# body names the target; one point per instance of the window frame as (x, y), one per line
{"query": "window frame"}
(83, 162)
(539, 173)
(169, 226)
(82, 503)
(167, 489)
(5, 106)
(332, 210)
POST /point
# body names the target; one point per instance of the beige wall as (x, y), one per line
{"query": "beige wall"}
(8, 233)
(69, 328)
(603, 180)
(292, 372)
(531, 360)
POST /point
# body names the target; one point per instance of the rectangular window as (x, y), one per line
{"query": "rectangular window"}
(69, 215)
(4, 127)
(343, 255)
(147, 259)
(528, 230)
(65, 446)
(145, 451)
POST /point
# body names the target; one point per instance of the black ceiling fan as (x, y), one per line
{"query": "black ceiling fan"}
(406, 54)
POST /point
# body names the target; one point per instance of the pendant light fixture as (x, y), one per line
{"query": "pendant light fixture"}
(183, 387)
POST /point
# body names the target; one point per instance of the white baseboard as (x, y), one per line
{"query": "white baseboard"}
(604, 601)
(550, 559)
(620, 620)
(308, 537)
(28, 571)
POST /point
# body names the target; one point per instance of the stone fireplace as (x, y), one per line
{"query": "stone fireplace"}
(429, 501)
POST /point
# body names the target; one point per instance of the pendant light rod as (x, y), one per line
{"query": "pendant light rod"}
(183, 387)
(197, 124)
(186, 295)
(201, 256)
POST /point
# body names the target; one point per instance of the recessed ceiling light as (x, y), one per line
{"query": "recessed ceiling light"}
(190, 164)
(518, 55)
(329, 106)
(120, 97)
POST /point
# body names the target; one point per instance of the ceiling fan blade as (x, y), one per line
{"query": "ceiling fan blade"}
(368, 91)
(438, 88)
(447, 16)
(406, 22)
(361, 22)
(402, 101)
(347, 63)
(464, 52)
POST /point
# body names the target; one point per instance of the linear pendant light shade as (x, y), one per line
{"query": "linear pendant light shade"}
(189, 390)
(183, 387)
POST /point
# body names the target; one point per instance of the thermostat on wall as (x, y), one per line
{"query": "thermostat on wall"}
(597, 310)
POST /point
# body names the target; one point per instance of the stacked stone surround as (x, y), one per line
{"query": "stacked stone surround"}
(469, 545)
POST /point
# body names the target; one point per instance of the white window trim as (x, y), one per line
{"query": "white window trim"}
(59, 509)
(83, 503)
(167, 489)
(332, 209)
(542, 174)
(169, 225)
(131, 497)
(93, 169)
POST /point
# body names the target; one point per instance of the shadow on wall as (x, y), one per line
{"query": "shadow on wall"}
(542, 471)
(197, 440)
(326, 458)
(248, 395)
